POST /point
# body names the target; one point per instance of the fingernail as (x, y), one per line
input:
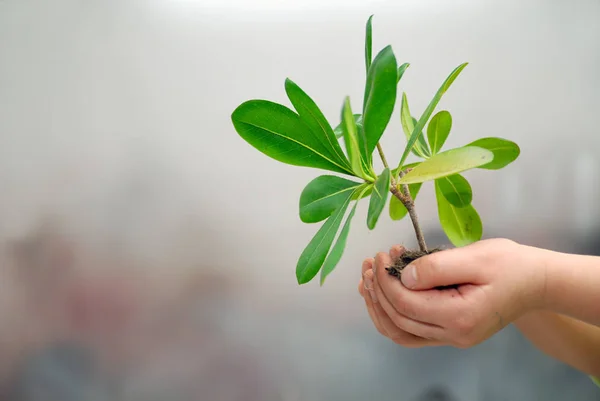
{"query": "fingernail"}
(369, 287)
(409, 276)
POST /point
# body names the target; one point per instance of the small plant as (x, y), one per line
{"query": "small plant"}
(305, 138)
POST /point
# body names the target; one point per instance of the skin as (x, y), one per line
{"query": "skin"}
(552, 297)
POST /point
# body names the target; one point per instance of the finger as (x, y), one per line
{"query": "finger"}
(367, 267)
(370, 306)
(446, 268)
(375, 318)
(382, 321)
(405, 323)
(396, 251)
(400, 336)
(422, 306)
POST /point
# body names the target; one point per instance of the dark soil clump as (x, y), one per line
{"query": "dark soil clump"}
(409, 256)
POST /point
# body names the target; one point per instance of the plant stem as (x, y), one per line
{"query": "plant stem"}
(406, 200)
(409, 204)
(382, 155)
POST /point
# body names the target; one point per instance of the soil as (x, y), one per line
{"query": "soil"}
(409, 256)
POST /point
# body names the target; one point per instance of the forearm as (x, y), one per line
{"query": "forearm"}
(571, 341)
(572, 285)
(565, 322)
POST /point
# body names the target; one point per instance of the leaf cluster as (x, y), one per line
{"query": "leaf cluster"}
(304, 137)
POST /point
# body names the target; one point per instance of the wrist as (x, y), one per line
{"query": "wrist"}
(538, 266)
(572, 286)
(562, 283)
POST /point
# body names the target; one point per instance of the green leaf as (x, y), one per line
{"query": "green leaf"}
(420, 149)
(339, 130)
(505, 151)
(380, 96)
(397, 209)
(355, 142)
(402, 70)
(367, 192)
(369, 43)
(279, 133)
(312, 116)
(323, 195)
(312, 258)
(338, 249)
(448, 163)
(438, 130)
(396, 171)
(379, 196)
(461, 225)
(456, 189)
(429, 110)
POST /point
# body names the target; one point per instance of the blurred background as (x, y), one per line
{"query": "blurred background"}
(148, 253)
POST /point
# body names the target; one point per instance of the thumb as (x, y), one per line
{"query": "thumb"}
(444, 268)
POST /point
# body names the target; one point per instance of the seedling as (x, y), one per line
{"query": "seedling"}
(305, 138)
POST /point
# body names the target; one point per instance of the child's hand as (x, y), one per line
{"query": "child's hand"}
(498, 282)
(380, 318)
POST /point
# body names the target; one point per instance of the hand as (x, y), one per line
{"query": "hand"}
(380, 318)
(497, 281)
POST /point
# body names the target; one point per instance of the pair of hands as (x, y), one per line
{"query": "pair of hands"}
(497, 283)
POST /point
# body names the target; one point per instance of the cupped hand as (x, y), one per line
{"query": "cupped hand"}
(380, 318)
(495, 282)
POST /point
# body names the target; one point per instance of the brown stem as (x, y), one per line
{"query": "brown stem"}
(409, 204)
(406, 200)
